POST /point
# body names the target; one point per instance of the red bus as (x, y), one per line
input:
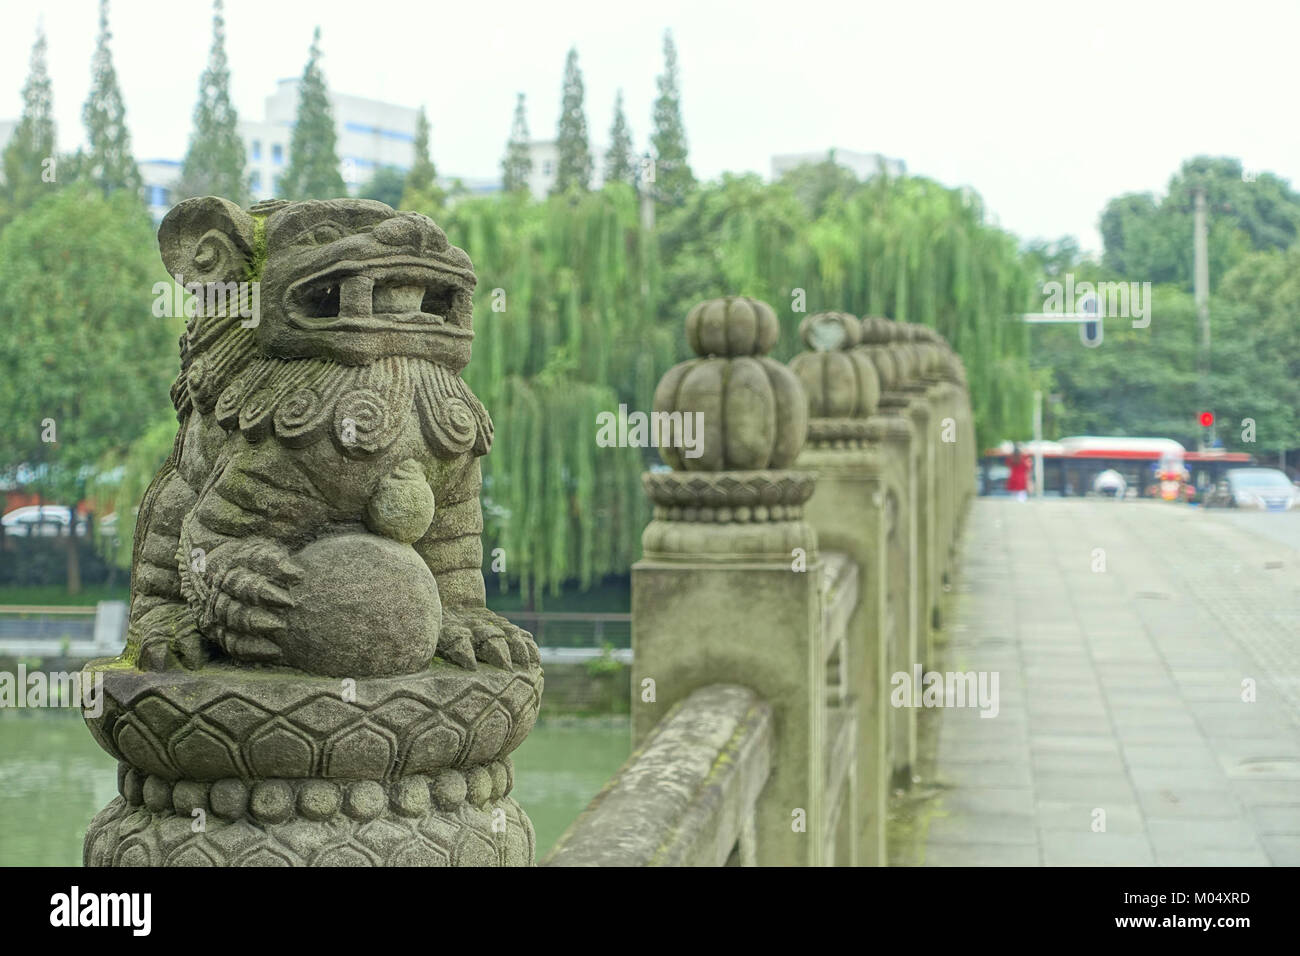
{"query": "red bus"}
(1071, 464)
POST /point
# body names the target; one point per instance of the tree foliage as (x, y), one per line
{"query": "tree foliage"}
(517, 166)
(108, 163)
(86, 368)
(422, 173)
(387, 184)
(313, 169)
(215, 163)
(906, 248)
(573, 164)
(1147, 381)
(673, 176)
(421, 189)
(619, 166)
(31, 149)
(565, 328)
(1149, 238)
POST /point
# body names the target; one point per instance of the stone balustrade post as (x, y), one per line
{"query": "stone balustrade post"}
(898, 438)
(848, 511)
(729, 586)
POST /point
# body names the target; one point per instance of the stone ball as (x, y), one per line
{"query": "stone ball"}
(365, 606)
(319, 799)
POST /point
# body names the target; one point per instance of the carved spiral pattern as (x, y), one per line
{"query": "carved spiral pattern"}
(360, 421)
(256, 413)
(298, 415)
(454, 425)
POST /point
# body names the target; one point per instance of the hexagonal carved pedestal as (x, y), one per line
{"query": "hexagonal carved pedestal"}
(231, 766)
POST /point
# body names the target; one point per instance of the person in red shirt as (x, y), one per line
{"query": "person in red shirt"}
(1018, 480)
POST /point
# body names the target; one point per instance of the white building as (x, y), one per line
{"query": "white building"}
(371, 134)
(862, 165)
(546, 158)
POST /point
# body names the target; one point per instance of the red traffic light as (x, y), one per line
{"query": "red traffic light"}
(1207, 419)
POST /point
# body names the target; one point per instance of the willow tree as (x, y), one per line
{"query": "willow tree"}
(575, 315)
(564, 330)
(906, 248)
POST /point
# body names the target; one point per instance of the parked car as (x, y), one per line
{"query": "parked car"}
(45, 521)
(1264, 489)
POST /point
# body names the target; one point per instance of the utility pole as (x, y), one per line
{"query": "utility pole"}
(1201, 286)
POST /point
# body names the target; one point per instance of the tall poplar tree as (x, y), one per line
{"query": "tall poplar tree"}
(313, 170)
(618, 160)
(673, 176)
(573, 165)
(28, 161)
(422, 173)
(421, 189)
(108, 163)
(215, 164)
(517, 166)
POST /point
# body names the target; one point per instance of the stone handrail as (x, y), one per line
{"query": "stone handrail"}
(687, 796)
(854, 477)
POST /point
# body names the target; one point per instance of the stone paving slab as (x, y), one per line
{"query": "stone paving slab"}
(1123, 689)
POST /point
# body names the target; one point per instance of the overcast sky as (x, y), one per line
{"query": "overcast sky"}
(1046, 109)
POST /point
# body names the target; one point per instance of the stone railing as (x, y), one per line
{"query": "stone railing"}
(789, 572)
(687, 796)
(268, 710)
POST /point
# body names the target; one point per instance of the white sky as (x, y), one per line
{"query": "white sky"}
(1047, 109)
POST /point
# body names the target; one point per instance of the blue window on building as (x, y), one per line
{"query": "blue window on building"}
(256, 182)
(157, 196)
(257, 149)
(277, 153)
(379, 131)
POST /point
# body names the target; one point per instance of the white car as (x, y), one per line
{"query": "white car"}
(46, 521)
(1110, 484)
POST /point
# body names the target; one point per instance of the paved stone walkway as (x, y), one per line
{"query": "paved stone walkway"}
(1121, 690)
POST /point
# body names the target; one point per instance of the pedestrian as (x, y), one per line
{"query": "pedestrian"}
(1018, 479)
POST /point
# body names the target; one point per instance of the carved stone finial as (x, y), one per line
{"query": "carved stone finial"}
(732, 326)
(753, 413)
(840, 377)
(735, 499)
(310, 661)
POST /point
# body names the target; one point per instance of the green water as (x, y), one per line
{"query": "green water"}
(54, 778)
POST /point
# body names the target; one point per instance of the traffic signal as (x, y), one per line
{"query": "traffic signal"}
(1207, 419)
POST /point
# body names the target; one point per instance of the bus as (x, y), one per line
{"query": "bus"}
(1151, 466)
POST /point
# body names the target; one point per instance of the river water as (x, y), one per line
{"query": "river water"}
(54, 778)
